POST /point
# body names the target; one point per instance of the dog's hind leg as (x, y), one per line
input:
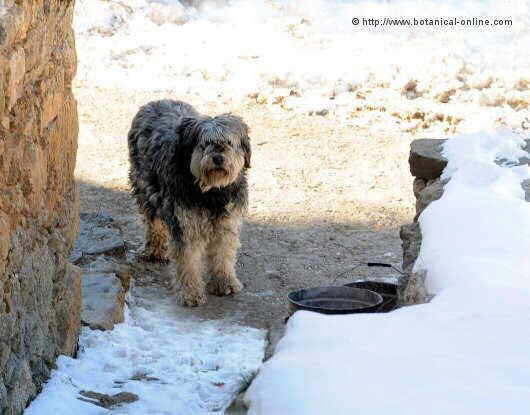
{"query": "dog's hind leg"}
(156, 241)
(221, 253)
(188, 284)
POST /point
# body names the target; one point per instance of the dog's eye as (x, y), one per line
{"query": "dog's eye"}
(218, 148)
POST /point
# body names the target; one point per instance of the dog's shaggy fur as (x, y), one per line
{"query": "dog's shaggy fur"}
(188, 174)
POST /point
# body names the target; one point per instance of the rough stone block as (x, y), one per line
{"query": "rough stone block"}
(432, 191)
(97, 236)
(69, 311)
(17, 70)
(426, 160)
(52, 105)
(103, 301)
(414, 291)
(411, 241)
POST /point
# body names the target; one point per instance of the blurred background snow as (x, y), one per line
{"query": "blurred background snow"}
(307, 55)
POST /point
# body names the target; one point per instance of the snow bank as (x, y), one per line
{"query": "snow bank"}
(464, 352)
(308, 55)
(181, 365)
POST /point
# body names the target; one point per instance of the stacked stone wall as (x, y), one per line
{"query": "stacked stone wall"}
(40, 292)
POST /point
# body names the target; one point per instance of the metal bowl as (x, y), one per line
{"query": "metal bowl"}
(335, 300)
(387, 290)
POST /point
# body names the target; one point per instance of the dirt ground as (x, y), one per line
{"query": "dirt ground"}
(325, 193)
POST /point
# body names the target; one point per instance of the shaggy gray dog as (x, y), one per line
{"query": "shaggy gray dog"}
(188, 175)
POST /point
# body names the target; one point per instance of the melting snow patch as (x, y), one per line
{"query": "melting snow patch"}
(175, 364)
(466, 352)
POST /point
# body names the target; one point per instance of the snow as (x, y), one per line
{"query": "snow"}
(199, 366)
(307, 55)
(464, 352)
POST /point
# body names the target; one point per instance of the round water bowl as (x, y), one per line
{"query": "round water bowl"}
(335, 300)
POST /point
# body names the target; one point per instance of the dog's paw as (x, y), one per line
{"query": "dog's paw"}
(224, 286)
(188, 299)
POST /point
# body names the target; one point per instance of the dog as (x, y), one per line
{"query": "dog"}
(188, 174)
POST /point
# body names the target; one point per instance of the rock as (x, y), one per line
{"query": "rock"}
(17, 70)
(108, 401)
(105, 279)
(69, 311)
(108, 265)
(526, 188)
(3, 398)
(433, 190)
(410, 89)
(103, 301)
(97, 235)
(417, 186)
(20, 388)
(445, 96)
(411, 242)
(526, 159)
(144, 377)
(414, 291)
(75, 257)
(426, 160)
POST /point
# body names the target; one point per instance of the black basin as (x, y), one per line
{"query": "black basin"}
(387, 290)
(335, 300)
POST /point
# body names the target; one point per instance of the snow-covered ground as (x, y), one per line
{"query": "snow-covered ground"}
(307, 55)
(174, 363)
(466, 352)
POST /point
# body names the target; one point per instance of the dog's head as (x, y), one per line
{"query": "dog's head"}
(221, 149)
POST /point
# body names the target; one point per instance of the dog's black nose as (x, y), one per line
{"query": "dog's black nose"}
(218, 160)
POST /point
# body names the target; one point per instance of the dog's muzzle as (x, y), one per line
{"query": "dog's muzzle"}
(218, 160)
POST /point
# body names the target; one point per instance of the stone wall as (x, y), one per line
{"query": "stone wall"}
(40, 291)
(426, 166)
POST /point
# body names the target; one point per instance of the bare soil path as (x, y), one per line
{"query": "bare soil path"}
(324, 195)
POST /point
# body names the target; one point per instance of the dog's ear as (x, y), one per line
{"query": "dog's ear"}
(188, 132)
(243, 131)
(245, 144)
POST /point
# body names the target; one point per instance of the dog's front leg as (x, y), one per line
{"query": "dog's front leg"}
(221, 254)
(156, 240)
(189, 285)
